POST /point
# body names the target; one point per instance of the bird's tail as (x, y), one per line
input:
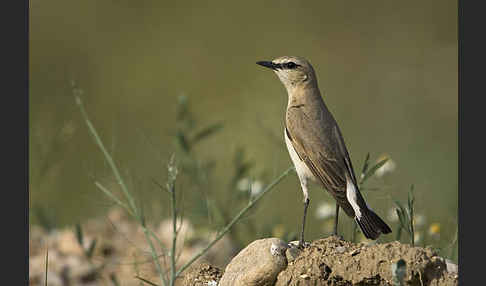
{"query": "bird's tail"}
(371, 224)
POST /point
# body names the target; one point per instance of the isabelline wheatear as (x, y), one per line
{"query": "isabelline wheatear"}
(317, 147)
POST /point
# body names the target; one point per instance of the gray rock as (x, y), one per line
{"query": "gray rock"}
(292, 253)
(451, 267)
(256, 265)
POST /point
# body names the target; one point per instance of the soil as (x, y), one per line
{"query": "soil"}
(202, 275)
(332, 261)
(120, 242)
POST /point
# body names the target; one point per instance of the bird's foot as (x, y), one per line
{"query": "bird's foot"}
(298, 244)
(302, 244)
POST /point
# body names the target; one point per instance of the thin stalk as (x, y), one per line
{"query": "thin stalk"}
(107, 155)
(114, 198)
(234, 220)
(47, 265)
(154, 255)
(116, 173)
(411, 200)
(412, 233)
(174, 235)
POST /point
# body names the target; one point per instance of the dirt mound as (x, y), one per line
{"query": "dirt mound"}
(332, 261)
(202, 275)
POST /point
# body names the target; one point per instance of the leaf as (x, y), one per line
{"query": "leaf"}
(366, 164)
(146, 281)
(160, 186)
(403, 218)
(79, 234)
(207, 132)
(182, 141)
(411, 198)
(91, 248)
(373, 169)
(114, 198)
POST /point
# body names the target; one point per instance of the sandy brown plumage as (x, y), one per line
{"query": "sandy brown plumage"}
(317, 147)
(311, 132)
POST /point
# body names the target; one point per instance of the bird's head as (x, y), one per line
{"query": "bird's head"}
(293, 72)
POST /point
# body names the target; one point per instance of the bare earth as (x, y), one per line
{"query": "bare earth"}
(331, 261)
(121, 253)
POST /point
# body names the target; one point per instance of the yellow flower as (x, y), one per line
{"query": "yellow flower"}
(434, 229)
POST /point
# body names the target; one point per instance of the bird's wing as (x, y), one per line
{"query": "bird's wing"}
(344, 152)
(319, 144)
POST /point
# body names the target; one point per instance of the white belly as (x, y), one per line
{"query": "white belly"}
(300, 167)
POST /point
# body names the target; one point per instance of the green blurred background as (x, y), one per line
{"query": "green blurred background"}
(389, 71)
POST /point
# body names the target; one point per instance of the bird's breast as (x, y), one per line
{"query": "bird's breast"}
(300, 167)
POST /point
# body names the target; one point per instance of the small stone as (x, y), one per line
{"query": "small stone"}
(256, 265)
(340, 249)
(304, 276)
(354, 252)
(292, 252)
(451, 266)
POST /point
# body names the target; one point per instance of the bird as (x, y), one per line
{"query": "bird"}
(316, 146)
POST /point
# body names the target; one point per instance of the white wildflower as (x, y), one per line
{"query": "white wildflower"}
(256, 187)
(417, 237)
(325, 210)
(392, 214)
(245, 185)
(419, 220)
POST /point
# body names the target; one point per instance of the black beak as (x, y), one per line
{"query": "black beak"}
(267, 64)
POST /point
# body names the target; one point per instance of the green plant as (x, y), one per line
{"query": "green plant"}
(87, 251)
(211, 203)
(127, 202)
(406, 217)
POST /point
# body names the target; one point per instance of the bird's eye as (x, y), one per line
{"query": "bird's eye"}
(291, 65)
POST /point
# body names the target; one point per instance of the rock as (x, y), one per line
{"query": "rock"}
(256, 265)
(340, 249)
(292, 252)
(451, 266)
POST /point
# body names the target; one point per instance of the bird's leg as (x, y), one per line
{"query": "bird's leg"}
(334, 232)
(306, 205)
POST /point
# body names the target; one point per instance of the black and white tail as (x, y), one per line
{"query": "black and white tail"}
(371, 224)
